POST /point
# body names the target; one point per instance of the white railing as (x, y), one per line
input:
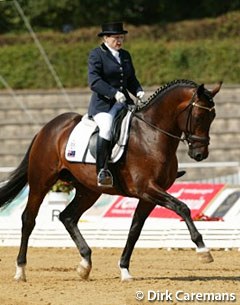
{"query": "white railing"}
(6, 169)
(233, 179)
(109, 233)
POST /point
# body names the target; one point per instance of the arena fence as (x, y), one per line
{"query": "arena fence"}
(233, 179)
(157, 234)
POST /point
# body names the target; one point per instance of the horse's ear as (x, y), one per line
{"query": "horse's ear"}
(200, 90)
(216, 89)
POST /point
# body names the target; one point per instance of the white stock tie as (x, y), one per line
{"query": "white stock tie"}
(116, 55)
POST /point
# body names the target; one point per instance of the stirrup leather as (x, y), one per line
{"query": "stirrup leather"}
(105, 178)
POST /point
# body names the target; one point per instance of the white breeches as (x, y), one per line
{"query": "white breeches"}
(104, 121)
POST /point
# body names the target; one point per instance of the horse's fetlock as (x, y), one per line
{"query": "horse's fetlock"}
(122, 264)
(86, 253)
(197, 238)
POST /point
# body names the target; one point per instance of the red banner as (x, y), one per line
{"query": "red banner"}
(197, 196)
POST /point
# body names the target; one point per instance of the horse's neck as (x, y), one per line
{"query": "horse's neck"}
(163, 113)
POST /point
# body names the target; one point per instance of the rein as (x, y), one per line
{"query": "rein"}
(182, 139)
(188, 137)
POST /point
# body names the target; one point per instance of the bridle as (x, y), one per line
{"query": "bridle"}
(188, 136)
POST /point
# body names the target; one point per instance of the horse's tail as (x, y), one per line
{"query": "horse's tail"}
(17, 181)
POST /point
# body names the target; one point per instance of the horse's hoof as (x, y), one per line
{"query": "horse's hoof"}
(205, 256)
(20, 275)
(127, 278)
(20, 278)
(125, 275)
(84, 269)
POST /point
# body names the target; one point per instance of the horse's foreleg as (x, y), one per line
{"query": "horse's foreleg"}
(166, 200)
(141, 213)
(28, 222)
(182, 210)
(83, 200)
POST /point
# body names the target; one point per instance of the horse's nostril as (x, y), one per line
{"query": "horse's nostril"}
(198, 157)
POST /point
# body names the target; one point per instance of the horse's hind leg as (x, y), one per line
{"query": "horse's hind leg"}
(28, 222)
(84, 199)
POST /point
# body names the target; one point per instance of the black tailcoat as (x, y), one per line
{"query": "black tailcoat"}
(106, 76)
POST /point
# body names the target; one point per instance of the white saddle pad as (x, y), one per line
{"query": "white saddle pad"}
(77, 149)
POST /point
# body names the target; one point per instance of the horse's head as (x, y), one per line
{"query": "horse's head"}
(198, 118)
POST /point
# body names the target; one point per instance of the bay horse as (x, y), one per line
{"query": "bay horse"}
(179, 111)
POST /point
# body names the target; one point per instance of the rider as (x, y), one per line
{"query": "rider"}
(110, 75)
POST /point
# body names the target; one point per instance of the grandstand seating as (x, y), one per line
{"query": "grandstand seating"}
(22, 115)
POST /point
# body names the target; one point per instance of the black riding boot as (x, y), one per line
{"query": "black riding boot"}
(104, 176)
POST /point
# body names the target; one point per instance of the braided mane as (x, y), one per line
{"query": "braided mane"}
(167, 87)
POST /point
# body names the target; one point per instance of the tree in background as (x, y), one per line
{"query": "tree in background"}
(54, 14)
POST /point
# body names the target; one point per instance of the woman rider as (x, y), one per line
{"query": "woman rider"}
(111, 75)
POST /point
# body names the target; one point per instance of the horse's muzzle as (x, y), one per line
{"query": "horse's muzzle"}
(198, 154)
(198, 147)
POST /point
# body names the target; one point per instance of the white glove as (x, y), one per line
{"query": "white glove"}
(141, 95)
(140, 98)
(120, 97)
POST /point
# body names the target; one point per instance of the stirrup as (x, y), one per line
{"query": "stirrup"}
(105, 178)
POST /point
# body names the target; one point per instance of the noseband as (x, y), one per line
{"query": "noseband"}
(188, 136)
